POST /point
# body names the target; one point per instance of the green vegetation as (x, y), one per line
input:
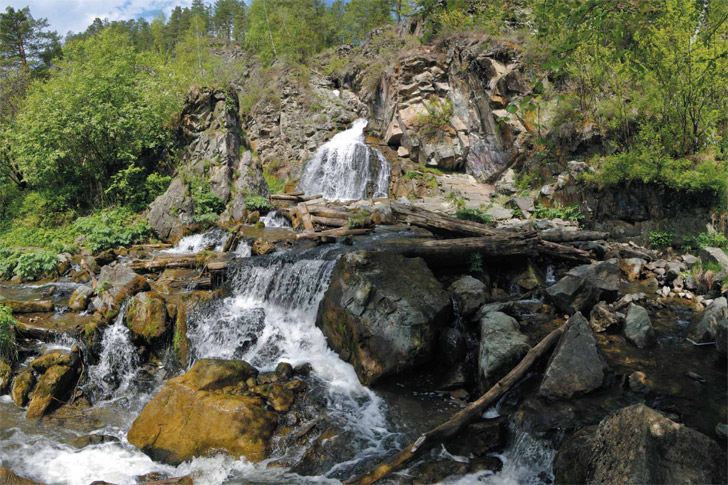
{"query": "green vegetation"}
(707, 240)
(257, 203)
(569, 213)
(111, 228)
(475, 215)
(476, 263)
(660, 239)
(438, 114)
(275, 185)
(359, 220)
(456, 199)
(8, 347)
(36, 264)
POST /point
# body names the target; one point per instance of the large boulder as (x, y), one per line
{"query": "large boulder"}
(22, 386)
(207, 409)
(79, 299)
(116, 284)
(382, 313)
(638, 326)
(721, 337)
(502, 346)
(582, 287)
(704, 326)
(639, 445)
(54, 387)
(147, 317)
(469, 294)
(6, 377)
(714, 256)
(170, 212)
(7, 477)
(575, 366)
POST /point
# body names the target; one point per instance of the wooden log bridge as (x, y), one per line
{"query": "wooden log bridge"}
(462, 419)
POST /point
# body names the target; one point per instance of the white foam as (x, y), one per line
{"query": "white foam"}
(198, 242)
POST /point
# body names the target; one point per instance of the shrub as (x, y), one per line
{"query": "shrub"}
(112, 227)
(476, 263)
(475, 215)
(36, 264)
(257, 203)
(207, 204)
(707, 240)
(275, 185)
(569, 213)
(359, 221)
(660, 239)
(8, 261)
(8, 347)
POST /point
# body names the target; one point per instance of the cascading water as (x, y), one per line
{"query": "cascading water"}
(199, 242)
(346, 168)
(275, 219)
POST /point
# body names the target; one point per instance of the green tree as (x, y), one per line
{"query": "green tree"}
(25, 41)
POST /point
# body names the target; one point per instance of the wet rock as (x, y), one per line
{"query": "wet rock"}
(54, 357)
(502, 345)
(117, 283)
(632, 267)
(690, 260)
(201, 411)
(452, 345)
(601, 319)
(469, 294)
(147, 317)
(638, 326)
(529, 278)
(261, 247)
(279, 397)
(714, 256)
(480, 438)
(639, 382)
(582, 287)
(721, 429)
(93, 439)
(721, 337)
(704, 327)
(7, 477)
(382, 312)
(639, 445)
(284, 371)
(80, 298)
(6, 377)
(438, 470)
(54, 388)
(22, 386)
(575, 366)
(29, 306)
(172, 211)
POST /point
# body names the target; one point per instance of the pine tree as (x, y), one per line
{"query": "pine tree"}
(24, 40)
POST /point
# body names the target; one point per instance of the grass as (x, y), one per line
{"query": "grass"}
(568, 213)
(475, 215)
(8, 346)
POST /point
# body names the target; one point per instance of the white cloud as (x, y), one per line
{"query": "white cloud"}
(76, 15)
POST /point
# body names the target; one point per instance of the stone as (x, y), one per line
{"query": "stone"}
(639, 445)
(117, 283)
(54, 357)
(714, 256)
(382, 313)
(480, 438)
(261, 247)
(632, 267)
(7, 477)
(502, 346)
(93, 439)
(469, 294)
(499, 213)
(6, 377)
(638, 326)
(194, 414)
(721, 429)
(29, 306)
(22, 386)
(54, 388)
(402, 152)
(575, 367)
(721, 337)
(704, 326)
(170, 212)
(80, 298)
(639, 382)
(690, 260)
(601, 319)
(525, 204)
(582, 287)
(147, 317)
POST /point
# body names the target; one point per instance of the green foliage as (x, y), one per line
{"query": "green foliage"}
(438, 114)
(133, 188)
(111, 228)
(275, 185)
(33, 265)
(528, 181)
(8, 261)
(475, 215)
(569, 213)
(207, 205)
(359, 220)
(660, 239)
(456, 199)
(257, 203)
(476, 263)
(8, 324)
(707, 240)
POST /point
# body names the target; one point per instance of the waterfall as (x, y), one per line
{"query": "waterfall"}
(271, 318)
(199, 242)
(275, 219)
(346, 168)
(118, 362)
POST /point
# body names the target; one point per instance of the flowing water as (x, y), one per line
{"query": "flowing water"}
(275, 219)
(346, 168)
(214, 239)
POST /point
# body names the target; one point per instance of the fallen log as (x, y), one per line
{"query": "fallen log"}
(304, 216)
(291, 197)
(329, 221)
(311, 197)
(29, 306)
(440, 223)
(323, 211)
(561, 251)
(343, 232)
(447, 251)
(462, 419)
(564, 236)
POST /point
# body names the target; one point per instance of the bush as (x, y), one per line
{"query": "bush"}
(8, 261)
(275, 185)
(660, 239)
(8, 347)
(207, 205)
(707, 240)
(359, 221)
(36, 264)
(475, 215)
(569, 213)
(111, 228)
(257, 203)
(133, 188)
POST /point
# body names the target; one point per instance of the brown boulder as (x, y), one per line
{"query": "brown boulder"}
(54, 357)
(53, 388)
(34, 306)
(203, 411)
(147, 317)
(22, 386)
(7, 477)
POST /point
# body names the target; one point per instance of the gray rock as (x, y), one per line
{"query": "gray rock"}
(721, 336)
(499, 213)
(469, 294)
(575, 367)
(525, 204)
(582, 287)
(79, 299)
(382, 313)
(704, 327)
(116, 284)
(721, 429)
(639, 445)
(171, 211)
(502, 345)
(714, 256)
(601, 319)
(690, 260)
(638, 326)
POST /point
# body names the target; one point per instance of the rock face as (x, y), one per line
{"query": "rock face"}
(442, 104)
(208, 408)
(211, 131)
(638, 326)
(575, 366)
(382, 313)
(639, 445)
(704, 326)
(147, 316)
(502, 345)
(469, 294)
(582, 287)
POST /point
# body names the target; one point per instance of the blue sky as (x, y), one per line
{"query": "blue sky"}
(76, 15)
